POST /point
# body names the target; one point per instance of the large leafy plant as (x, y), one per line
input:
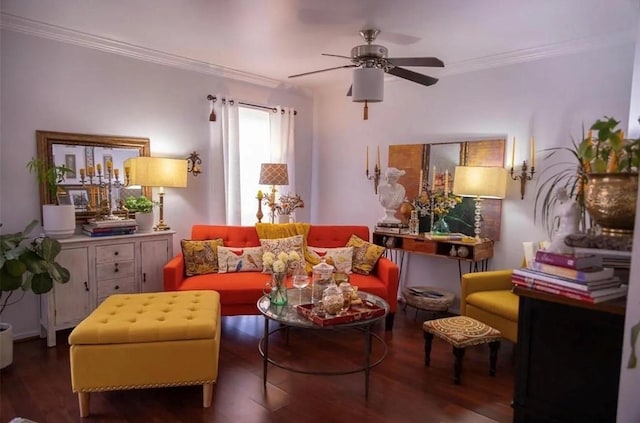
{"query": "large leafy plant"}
(51, 176)
(28, 264)
(609, 151)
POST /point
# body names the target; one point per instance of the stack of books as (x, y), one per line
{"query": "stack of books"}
(578, 276)
(109, 227)
(392, 228)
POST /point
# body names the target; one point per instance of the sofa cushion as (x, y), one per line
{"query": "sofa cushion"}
(341, 258)
(248, 259)
(365, 254)
(286, 245)
(234, 288)
(503, 303)
(200, 257)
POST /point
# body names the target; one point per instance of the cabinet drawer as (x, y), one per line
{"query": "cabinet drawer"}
(116, 286)
(117, 270)
(419, 245)
(116, 252)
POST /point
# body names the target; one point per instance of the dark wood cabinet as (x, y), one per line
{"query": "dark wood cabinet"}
(568, 359)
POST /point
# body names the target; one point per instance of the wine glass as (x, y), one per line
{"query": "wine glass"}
(300, 281)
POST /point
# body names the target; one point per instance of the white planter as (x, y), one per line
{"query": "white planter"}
(144, 222)
(284, 218)
(59, 221)
(6, 345)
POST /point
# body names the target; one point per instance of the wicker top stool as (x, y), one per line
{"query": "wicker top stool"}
(461, 332)
(427, 298)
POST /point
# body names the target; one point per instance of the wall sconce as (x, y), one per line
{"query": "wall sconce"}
(376, 171)
(193, 164)
(523, 177)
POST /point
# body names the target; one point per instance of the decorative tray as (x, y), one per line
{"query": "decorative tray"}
(365, 311)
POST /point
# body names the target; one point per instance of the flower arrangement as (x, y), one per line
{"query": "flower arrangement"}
(288, 203)
(438, 201)
(281, 263)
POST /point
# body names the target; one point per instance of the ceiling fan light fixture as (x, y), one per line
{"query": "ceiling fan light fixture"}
(368, 85)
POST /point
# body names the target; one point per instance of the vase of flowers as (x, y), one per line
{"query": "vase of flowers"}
(433, 207)
(286, 206)
(280, 266)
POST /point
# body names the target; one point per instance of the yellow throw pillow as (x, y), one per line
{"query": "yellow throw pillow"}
(341, 258)
(200, 257)
(248, 259)
(365, 254)
(278, 245)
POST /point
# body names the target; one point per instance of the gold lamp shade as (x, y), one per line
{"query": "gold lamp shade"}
(157, 172)
(480, 181)
(274, 174)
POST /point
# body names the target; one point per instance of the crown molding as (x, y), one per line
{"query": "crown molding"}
(57, 33)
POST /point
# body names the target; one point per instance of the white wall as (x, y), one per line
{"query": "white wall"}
(48, 85)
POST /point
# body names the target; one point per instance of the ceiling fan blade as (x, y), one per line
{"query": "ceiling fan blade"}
(322, 70)
(336, 55)
(416, 61)
(412, 76)
(350, 92)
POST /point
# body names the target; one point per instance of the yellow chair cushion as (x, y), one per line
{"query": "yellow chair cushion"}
(462, 331)
(153, 317)
(503, 303)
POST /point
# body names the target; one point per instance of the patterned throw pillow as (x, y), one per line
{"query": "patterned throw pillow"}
(248, 259)
(340, 258)
(200, 257)
(278, 245)
(365, 254)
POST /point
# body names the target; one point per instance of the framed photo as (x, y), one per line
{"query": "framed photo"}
(64, 199)
(106, 158)
(88, 157)
(79, 198)
(70, 162)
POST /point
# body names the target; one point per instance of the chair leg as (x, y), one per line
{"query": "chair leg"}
(207, 395)
(83, 402)
(428, 339)
(458, 353)
(493, 356)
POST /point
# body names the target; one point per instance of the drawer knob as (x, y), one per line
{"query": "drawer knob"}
(86, 287)
(115, 254)
(117, 287)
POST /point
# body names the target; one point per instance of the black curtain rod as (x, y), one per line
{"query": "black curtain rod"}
(257, 106)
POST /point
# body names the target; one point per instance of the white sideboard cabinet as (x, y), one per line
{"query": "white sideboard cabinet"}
(100, 267)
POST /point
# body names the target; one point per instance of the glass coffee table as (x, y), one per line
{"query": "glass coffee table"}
(287, 316)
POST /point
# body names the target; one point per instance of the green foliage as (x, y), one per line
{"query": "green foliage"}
(139, 204)
(29, 266)
(609, 151)
(51, 176)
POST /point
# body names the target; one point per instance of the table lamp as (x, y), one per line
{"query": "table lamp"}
(273, 174)
(157, 172)
(479, 182)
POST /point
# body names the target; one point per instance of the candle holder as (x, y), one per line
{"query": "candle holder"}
(375, 177)
(523, 177)
(100, 187)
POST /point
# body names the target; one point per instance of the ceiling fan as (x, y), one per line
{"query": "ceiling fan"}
(374, 56)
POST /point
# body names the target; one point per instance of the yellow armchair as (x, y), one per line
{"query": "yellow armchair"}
(488, 297)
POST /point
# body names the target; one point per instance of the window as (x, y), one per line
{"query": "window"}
(254, 137)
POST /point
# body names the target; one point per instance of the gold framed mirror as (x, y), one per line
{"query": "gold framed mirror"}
(82, 152)
(418, 161)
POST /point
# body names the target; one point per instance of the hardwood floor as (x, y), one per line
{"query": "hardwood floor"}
(37, 385)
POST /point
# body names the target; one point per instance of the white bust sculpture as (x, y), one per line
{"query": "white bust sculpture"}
(391, 195)
(565, 222)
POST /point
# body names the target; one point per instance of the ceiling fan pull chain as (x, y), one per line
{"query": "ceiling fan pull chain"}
(366, 110)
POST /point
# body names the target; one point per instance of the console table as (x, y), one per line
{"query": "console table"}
(568, 358)
(477, 254)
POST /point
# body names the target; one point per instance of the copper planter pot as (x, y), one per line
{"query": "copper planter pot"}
(610, 199)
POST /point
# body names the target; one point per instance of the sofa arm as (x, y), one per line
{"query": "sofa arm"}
(389, 273)
(495, 280)
(173, 273)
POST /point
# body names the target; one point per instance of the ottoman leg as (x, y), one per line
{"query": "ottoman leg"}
(207, 394)
(83, 402)
(458, 353)
(428, 339)
(493, 356)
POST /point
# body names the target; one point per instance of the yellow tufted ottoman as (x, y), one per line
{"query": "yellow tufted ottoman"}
(147, 340)
(461, 332)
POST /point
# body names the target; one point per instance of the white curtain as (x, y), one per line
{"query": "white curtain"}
(282, 124)
(225, 154)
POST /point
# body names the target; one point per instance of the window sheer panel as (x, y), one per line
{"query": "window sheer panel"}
(254, 141)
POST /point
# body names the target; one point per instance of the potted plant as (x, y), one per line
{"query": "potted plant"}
(143, 209)
(58, 221)
(286, 205)
(25, 266)
(602, 177)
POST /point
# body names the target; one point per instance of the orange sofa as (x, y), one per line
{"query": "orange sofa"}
(239, 292)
